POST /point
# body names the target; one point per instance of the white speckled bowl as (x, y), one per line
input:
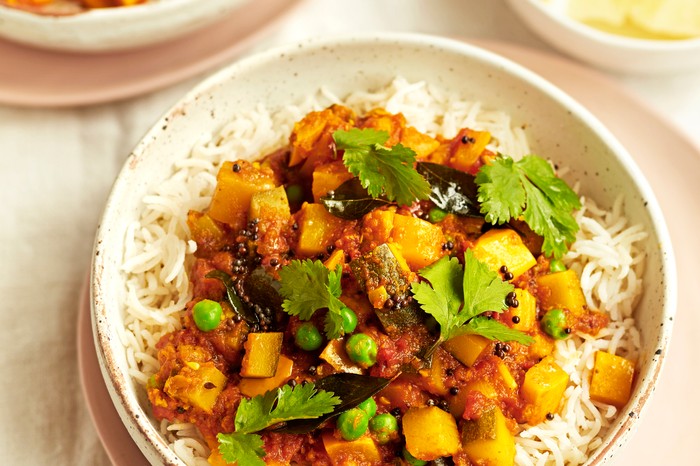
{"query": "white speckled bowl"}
(112, 29)
(606, 50)
(558, 127)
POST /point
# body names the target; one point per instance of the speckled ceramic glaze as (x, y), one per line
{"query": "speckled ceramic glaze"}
(557, 126)
(609, 51)
(111, 29)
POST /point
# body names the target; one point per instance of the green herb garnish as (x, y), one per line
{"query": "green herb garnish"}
(456, 297)
(382, 171)
(308, 286)
(238, 448)
(529, 188)
(283, 404)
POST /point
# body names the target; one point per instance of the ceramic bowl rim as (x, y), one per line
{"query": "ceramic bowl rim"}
(133, 414)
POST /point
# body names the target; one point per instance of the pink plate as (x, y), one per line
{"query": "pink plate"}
(122, 451)
(35, 77)
(671, 163)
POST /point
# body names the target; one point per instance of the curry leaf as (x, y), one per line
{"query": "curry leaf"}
(452, 190)
(351, 201)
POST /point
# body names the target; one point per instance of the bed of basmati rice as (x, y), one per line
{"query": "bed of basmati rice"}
(608, 255)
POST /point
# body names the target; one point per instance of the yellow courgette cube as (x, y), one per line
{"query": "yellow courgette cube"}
(318, 229)
(497, 248)
(466, 348)
(357, 452)
(253, 387)
(611, 381)
(421, 241)
(463, 155)
(327, 178)
(541, 346)
(234, 189)
(270, 205)
(564, 292)
(262, 354)
(430, 433)
(526, 312)
(337, 258)
(543, 388)
(488, 441)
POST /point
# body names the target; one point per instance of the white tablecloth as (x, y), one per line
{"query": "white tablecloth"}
(56, 169)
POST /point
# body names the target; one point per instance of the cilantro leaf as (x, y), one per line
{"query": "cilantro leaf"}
(360, 140)
(283, 404)
(529, 188)
(238, 448)
(500, 191)
(456, 297)
(273, 407)
(495, 330)
(308, 286)
(382, 170)
(442, 297)
(483, 288)
(542, 218)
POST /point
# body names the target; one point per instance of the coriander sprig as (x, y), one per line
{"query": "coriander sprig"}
(529, 188)
(286, 403)
(383, 171)
(456, 297)
(308, 286)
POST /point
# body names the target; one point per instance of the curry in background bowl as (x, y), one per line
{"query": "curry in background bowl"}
(66, 7)
(379, 269)
(97, 26)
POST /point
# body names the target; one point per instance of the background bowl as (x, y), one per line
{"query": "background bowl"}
(606, 50)
(557, 127)
(111, 29)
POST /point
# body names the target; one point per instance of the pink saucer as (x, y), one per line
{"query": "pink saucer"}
(35, 77)
(670, 161)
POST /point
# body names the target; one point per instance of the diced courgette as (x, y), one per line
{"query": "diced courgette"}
(382, 273)
(611, 380)
(262, 354)
(430, 433)
(487, 440)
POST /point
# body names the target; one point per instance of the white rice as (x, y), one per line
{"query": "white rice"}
(607, 254)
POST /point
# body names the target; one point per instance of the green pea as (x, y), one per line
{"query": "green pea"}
(362, 349)
(385, 427)
(412, 460)
(369, 406)
(352, 424)
(349, 319)
(557, 266)
(436, 215)
(554, 324)
(308, 337)
(295, 194)
(207, 315)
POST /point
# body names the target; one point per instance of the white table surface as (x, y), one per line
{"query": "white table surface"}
(56, 169)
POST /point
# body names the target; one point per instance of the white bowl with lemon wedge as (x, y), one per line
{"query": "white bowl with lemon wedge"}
(630, 36)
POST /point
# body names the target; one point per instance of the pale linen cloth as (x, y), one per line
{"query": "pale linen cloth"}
(56, 169)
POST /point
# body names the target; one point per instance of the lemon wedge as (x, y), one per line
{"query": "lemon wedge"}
(654, 19)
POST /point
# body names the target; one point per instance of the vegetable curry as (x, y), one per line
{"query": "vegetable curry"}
(66, 7)
(370, 294)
